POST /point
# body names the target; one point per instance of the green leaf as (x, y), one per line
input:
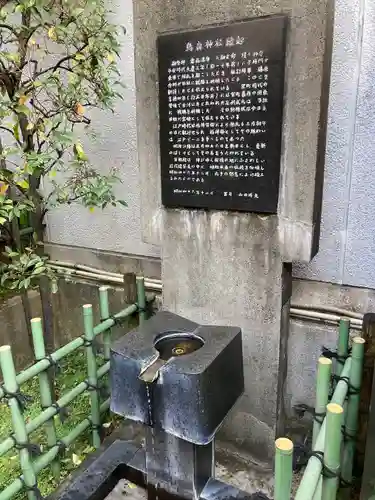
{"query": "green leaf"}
(16, 131)
(38, 270)
(33, 262)
(80, 154)
(23, 259)
(122, 202)
(21, 108)
(65, 137)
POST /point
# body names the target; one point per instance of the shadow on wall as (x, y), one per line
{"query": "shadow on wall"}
(68, 322)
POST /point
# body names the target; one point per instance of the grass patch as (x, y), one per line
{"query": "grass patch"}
(72, 372)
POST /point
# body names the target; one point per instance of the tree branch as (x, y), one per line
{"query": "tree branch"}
(12, 133)
(9, 28)
(62, 61)
(55, 127)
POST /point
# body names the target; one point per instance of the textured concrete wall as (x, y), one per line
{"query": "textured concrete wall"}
(347, 244)
(116, 230)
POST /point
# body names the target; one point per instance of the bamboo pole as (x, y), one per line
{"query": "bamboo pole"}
(18, 422)
(46, 399)
(332, 450)
(104, 315)
(283, 469)
(141, 296)
(92, 375)
(322, 394)
(342, 344)
(313, 469)
(351, 421)
(43, 461)
(72, 346)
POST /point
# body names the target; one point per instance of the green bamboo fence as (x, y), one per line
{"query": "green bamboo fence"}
(330, 465)
(10, 390)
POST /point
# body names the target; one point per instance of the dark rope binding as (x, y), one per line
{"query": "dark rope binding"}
(91, 387)
(22, 399)
(62, 446)
(328, 353)
(115, 319)
(91, 343)
(301, 454)
(32, 448)
(33, 489)
(301, 409)
(62, 412)
(141, 309)
(329, 473)
(52, 362)
(352, 391)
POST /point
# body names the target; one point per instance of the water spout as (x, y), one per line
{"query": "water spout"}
(151, 373)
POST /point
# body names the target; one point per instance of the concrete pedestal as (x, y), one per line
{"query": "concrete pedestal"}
(229, 268)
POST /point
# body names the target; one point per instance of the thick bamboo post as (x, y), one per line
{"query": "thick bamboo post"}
(18, 422)
(351, 421)
(283, 469)
(46, 399)
(141, 299)
(332, 450)
(312, 474)
(322, 394)
(104, 314)
(342, 345)
(92, 374)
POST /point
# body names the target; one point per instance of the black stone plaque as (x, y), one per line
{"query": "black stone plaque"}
(221, 106)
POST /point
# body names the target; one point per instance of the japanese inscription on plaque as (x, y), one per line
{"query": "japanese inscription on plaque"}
(221, 105)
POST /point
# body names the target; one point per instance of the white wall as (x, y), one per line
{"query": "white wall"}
(113, 229)
(347, 245)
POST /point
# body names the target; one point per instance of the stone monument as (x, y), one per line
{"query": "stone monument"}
(231, 108)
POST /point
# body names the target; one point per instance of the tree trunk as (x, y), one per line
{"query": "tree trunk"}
(24, 295)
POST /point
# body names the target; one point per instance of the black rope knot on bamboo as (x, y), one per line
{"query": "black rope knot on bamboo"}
(32, 448)
(62, 412)
(115, 319)
(87, 343)
(96, 427)
(328, 353)
(33, 489)
(52, 362)
(92, 387)
(346, 435)
(22, 399)
(301, 409)
(352, 391)
(329, 473)
(140, 309)
(61, 445)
